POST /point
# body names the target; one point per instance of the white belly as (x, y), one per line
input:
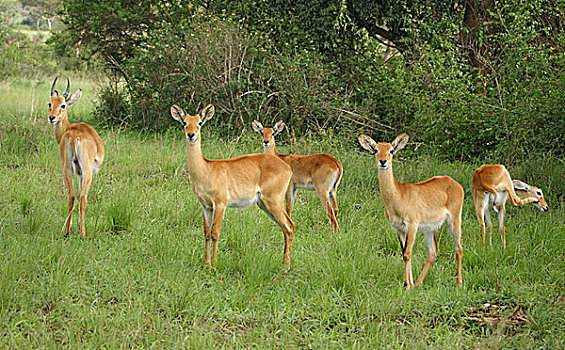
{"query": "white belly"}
(501, 198)
(430, 227)
(309, 186)
(427, 227)
(244, 203)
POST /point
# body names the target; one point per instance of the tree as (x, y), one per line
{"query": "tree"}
(110, 28)
(42, 9)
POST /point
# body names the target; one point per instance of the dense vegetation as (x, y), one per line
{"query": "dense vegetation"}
(434, 69)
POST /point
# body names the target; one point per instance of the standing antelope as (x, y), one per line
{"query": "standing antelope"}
(492, 186)
(422, 206)
(81, 150)
(320, 172)
(237, 182)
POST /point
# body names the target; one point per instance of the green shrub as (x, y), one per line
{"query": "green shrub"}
(505, 110)
(216, 62)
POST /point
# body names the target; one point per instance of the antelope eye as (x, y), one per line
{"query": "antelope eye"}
(62, 106)
(200, 123)
(539, 193)
(49, 104)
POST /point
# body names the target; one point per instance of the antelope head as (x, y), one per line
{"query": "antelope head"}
(268, 133)
(192, 123)
(58, 105)
(523, 190)
(383, 151)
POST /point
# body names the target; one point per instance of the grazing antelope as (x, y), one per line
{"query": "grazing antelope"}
(492, 187)
(422, 206)
(237, 182)
(81, 150)
(320, 172)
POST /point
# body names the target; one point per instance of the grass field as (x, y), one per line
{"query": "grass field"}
(137, 280)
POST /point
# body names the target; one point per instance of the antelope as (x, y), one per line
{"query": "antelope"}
(413, 207)
(80, 148)
(319, 172)
(261, 179)
(492, 186)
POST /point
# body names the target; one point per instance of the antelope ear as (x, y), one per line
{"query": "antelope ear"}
(178, 114)
(257, 127)
(368, 143)
(399, 142)
(520, 186)
(279, 126)
(74, 98)
(207, 113)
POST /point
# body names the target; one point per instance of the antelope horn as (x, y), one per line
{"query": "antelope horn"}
(53, 91)
(68, 88)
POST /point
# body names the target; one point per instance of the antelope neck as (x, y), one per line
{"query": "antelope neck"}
(61, 127)
(196, 161)
(388, 186)
(272, 149)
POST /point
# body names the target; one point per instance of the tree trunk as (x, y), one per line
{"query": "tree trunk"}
(475, 18)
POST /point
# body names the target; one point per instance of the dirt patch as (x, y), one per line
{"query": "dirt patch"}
(47, 308)
(503, 317)
(111, 301)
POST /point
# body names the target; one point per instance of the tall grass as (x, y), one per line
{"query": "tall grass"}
(137, 280)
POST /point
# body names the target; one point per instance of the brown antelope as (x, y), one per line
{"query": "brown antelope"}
(422, 206)
(492, 186)
(261, 179)
(319, 172)
(81, 150)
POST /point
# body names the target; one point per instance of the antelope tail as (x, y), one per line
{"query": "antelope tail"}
(76, 160)
(338, 178)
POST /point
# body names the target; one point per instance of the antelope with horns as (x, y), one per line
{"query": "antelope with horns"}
(422, 206)
(261, 179)
(80, 148)
(492, 186)
(319, 172)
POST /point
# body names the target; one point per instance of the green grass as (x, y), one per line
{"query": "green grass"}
(137, 280)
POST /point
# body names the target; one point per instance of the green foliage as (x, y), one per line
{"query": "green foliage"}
(295, 27)
(507, 114)
(23, 56)
(113, 29)
(69, 57)
(526, 78)
(328, 64)
(214, 61)
(113, 107)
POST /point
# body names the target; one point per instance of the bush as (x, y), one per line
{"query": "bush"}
(23, 57)
(507, 110)
(216, 62)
